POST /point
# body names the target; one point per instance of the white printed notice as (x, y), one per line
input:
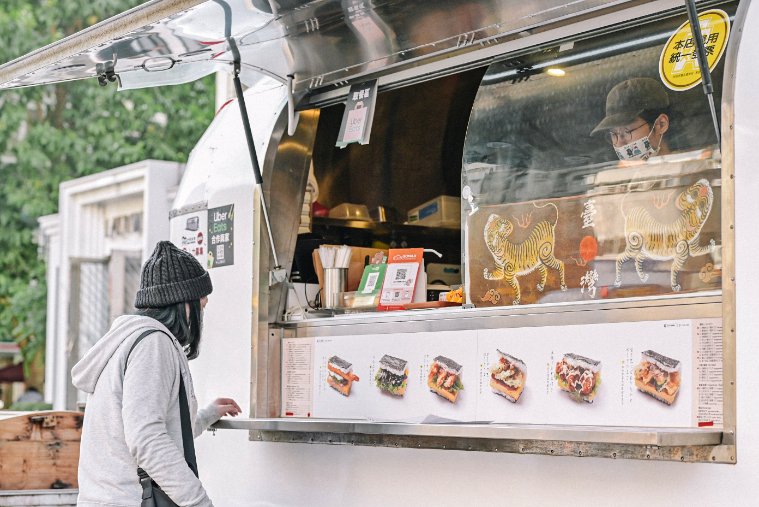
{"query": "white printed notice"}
(645, 374)
(707, 335)
(190, 233)
(297, 378)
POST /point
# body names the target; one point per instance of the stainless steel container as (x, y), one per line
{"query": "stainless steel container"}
(335, 280)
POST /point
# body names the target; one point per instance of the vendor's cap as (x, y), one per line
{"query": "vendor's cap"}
(171, 276)
(630, 98)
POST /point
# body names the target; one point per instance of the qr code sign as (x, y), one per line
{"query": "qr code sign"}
(400, 275)
(371, 282)
(219, 253)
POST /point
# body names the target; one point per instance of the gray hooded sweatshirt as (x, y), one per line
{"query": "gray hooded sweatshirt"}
(133, 419)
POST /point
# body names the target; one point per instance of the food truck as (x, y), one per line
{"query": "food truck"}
(588, 330)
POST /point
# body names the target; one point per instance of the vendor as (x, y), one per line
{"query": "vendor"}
(637, 119)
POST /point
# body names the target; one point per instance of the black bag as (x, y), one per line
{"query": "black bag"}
(152, 494)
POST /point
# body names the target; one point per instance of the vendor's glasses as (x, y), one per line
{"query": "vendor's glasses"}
(623, 136)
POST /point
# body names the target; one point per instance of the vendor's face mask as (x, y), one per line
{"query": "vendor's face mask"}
(640, 149)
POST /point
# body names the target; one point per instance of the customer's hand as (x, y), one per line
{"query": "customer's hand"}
(226, 406)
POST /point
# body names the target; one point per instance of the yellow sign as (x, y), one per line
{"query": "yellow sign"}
(678, 65)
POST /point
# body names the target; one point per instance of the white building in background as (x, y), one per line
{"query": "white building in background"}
(106, 224)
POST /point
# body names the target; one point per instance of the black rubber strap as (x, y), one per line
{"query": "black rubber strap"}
(184, 413)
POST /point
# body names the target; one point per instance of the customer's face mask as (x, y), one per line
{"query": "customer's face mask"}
(640, 149)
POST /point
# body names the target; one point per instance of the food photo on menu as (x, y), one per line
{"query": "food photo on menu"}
(444, 378)
(508, 376)
(341, 376)
(658, 376)
(579, 376)
(392, 375)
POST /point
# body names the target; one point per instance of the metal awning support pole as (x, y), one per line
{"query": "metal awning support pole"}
(256, 167)
(703, 64)
(277, 273)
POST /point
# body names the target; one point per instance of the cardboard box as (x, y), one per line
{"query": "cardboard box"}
(355, 269)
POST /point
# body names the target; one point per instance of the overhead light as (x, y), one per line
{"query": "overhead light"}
(556, 72)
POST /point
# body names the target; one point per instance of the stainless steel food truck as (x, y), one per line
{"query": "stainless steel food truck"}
(601, 312)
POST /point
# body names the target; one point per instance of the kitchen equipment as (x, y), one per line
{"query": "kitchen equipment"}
(384, 214)
(442, 211)
(348, 211)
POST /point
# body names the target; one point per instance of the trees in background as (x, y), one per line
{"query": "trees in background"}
(55, 133)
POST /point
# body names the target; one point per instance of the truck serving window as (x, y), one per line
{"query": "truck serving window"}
(587, 175)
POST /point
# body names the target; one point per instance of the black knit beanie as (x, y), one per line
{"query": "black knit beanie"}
(171, 276)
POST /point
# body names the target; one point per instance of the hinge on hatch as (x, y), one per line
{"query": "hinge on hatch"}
(106, 73)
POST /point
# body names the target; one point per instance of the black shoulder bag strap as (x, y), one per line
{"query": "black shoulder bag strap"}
(184, 414)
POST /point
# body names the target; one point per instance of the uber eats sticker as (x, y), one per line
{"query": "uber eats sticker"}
(678, 65)
(221, 237)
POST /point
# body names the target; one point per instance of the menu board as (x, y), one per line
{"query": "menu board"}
(645, 374)
(297, 379)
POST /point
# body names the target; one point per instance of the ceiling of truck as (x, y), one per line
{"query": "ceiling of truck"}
(320, 43)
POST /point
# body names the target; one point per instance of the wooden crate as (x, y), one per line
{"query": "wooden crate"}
(40, 450)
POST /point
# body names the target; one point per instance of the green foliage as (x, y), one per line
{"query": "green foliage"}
(56, 133)
(30, 406)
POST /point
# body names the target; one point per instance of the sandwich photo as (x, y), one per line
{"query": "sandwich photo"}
(392, 375)
(507, 377)
(658, 376)
(445, 378)
(579, 376)
(341, 375)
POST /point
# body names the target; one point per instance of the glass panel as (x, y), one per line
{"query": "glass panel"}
(553, 213)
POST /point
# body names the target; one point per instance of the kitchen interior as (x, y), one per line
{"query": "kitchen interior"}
(402, 190)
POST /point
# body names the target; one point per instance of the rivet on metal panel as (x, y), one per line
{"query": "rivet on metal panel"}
(614, 455)
(732, 278)
(731, 127)
(648, 456)
(551, 451)
(714, 458)
(732, 176)
(732, 227)
(495, 449)
(732, 382)
(579, 453)
(732, 458)
(443, 446)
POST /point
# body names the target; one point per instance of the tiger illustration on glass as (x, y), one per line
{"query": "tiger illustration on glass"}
(648, 238)
(518, 259)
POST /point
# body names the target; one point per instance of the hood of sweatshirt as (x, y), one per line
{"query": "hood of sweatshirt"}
(86, 372)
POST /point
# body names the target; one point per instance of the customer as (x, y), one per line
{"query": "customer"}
(132, 416)
(637, 118)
